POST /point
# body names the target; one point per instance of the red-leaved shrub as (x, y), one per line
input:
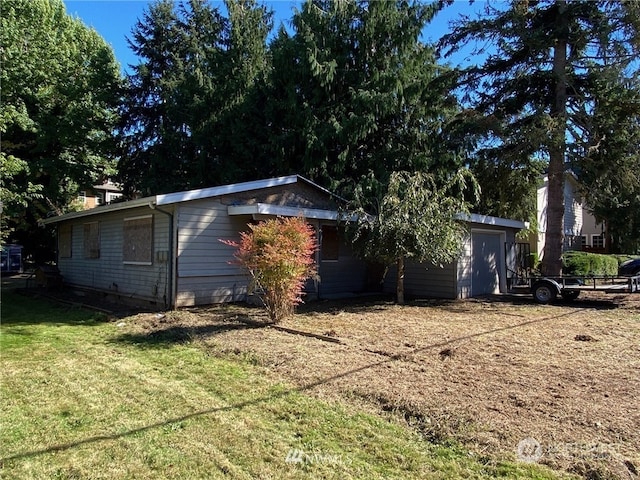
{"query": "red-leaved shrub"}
(279, 256)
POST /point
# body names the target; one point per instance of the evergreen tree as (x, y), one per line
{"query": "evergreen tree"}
(608, 161)
(359, 95)
(530, 88)
(187, 121)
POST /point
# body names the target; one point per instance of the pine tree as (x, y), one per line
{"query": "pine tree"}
(531, 88)
(188, 110)
(359, 95)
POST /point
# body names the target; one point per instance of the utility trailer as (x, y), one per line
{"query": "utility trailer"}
(547, 289)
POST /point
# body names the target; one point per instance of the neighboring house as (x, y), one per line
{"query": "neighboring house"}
(581, 230)
(99, 195)
(593, 237)
(165, 249)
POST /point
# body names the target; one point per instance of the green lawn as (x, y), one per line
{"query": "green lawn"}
(81, 399)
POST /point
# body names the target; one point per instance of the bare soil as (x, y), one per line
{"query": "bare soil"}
(487, 373)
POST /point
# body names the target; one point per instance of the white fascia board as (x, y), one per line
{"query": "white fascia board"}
(494, 221)
(284, 211)
(224, 190)
(112, 207)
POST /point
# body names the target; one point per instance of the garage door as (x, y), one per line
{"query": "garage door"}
(486, 261)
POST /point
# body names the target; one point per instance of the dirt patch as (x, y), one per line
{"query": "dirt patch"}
(554, 384)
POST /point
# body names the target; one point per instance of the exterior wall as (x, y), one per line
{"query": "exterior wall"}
(573, 220)
(573, 215)
(296, 195)
(109, 273)
(341, 277)
(455, 279)
(592, 228)
(464, 271)
(204, 275)
(424, 280)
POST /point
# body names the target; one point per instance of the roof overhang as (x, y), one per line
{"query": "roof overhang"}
(494, 221)
(285, 211)
(236, 188)
(178, 197)
(112, 207)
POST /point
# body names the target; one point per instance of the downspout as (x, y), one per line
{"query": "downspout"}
(169, 300)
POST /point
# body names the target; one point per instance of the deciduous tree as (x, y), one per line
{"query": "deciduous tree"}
(60, 92)
(418, 218)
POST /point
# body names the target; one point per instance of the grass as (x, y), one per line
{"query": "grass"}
(82, 399)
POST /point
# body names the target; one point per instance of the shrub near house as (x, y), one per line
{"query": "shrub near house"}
(589, 264)
(278, 254)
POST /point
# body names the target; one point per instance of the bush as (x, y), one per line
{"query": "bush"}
(589, 264)
(278, 255)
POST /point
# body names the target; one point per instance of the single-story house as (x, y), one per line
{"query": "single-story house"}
(166, 249)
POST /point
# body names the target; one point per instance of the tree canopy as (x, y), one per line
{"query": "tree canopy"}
(347, 97)
(60, 92)
(188, 103)
(418, 218)
(537, 84)
(359, 95)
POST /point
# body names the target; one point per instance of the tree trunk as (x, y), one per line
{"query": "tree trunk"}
(554, 236)
(400, 282)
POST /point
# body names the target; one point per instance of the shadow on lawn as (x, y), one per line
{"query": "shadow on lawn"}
(276, 395)
(179, 334)
(21, 310)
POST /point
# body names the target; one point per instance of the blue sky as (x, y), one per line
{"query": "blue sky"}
(114, 19)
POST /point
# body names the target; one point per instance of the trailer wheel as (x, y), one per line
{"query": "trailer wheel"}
(570, 294)
(544, 292)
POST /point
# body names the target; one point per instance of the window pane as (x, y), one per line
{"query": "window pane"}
(330, 248)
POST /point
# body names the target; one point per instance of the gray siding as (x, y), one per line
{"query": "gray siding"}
(463, 271)
(451, 281)
(341, 277)
(204, 274)
(108, 272)
(424, 280)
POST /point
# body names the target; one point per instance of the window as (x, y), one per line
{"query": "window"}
(64, 241)
(329, 249)
(584, 242)
(99, 198)
(91, 239)
(137, 243)
(597, 241)
(82, 196)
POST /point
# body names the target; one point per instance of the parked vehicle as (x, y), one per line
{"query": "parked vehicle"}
(630, 268)
(11, 259)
